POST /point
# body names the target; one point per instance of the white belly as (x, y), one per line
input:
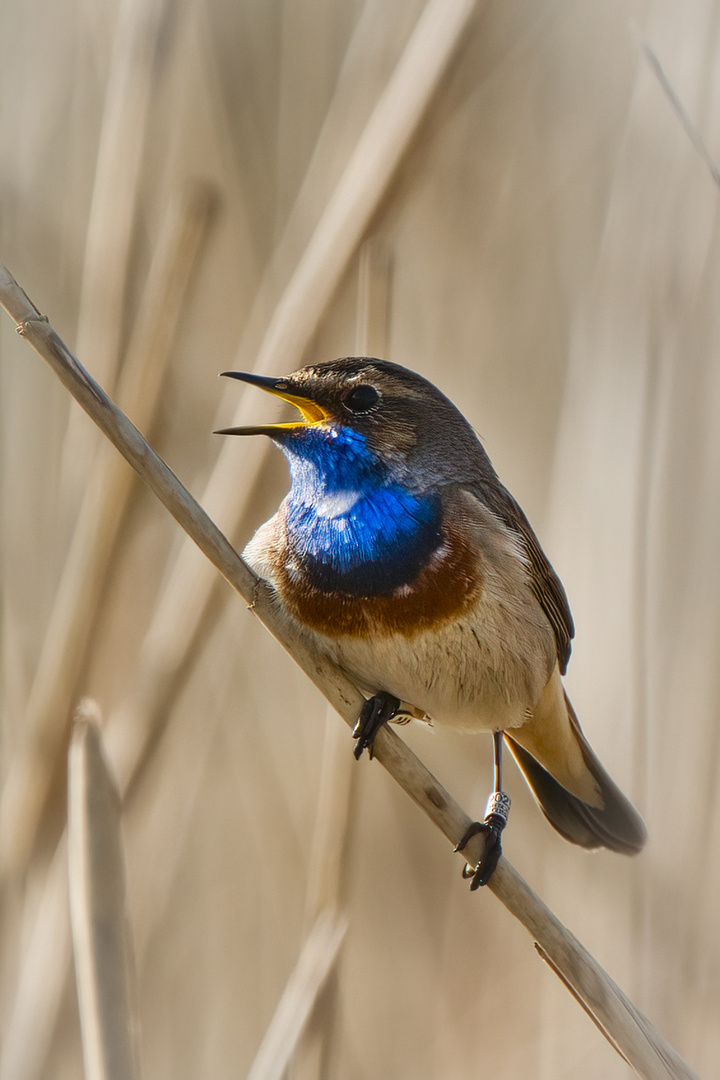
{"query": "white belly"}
(483, 672)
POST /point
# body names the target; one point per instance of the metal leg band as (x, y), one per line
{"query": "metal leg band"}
(498, 806)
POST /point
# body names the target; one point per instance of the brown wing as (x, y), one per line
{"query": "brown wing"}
(544, 582)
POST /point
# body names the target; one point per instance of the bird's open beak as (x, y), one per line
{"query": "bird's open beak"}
(312, 413)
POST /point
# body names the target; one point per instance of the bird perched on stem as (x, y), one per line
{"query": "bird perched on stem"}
(411, 566)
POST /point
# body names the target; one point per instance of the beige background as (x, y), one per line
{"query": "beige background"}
(553, 237)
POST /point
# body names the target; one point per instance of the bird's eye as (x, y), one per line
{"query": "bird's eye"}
(361, 398)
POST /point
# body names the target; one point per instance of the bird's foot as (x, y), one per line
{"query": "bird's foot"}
(376, 712)
(497, 811)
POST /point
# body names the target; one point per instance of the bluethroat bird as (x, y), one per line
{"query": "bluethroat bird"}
(416, 572)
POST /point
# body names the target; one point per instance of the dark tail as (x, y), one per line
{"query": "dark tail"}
(616, 825)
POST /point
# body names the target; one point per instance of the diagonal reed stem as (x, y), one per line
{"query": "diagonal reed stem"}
(624, 1026)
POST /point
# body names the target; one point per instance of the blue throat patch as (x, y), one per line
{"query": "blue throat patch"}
(351, 528)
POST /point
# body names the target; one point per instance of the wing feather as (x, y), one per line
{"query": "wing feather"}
(544, 582)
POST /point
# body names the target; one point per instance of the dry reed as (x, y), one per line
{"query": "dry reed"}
(100, 924)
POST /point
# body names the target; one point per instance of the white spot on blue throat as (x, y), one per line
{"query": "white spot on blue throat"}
(337, 503)
(351, 527)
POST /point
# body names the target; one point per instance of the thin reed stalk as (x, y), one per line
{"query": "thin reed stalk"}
(132, 72)
(134, 67)
(301, 990)
(100, 925)
(41, 984)
(336, 796)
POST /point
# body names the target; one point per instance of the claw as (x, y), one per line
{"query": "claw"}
(481, 874)
(495, 821)
(375, 713)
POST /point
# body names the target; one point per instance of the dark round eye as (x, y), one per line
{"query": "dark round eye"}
(361, 398)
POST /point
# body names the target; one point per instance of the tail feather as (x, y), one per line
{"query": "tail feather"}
(615, 825)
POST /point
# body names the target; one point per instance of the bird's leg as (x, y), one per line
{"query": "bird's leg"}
(496, 815)
(376, 712)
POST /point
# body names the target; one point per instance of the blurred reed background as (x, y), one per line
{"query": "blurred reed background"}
(529, 225)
